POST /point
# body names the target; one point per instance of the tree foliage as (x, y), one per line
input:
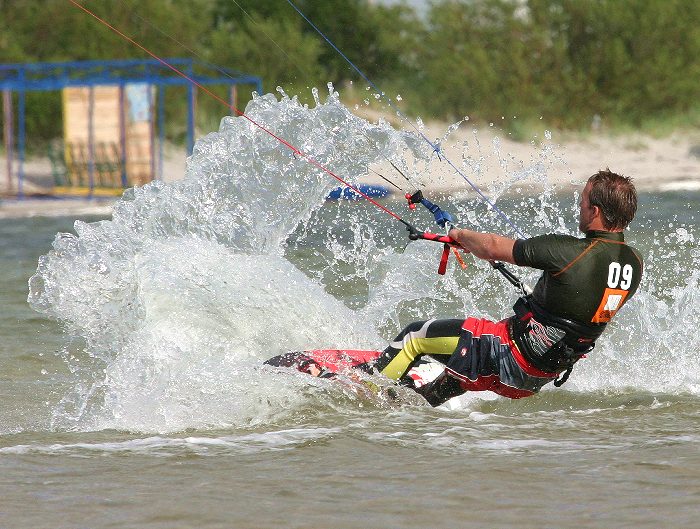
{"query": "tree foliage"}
(567, 60)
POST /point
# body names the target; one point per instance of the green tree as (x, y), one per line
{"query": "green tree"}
(57, 31)
(475, 60)
(627, 60)
(375, 37)
(567, 60)
(275, 49)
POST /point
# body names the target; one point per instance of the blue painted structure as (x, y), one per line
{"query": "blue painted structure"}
(22, 78)
(346, 193)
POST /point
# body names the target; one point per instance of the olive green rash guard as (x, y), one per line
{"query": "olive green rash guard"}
(584, 279)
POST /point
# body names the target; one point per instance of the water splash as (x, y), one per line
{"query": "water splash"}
(188, 286)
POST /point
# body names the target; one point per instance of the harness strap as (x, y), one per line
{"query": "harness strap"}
(564, 377)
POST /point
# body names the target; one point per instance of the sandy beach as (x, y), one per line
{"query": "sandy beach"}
(486, 156)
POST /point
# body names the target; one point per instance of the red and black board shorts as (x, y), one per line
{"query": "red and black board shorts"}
(486, 359)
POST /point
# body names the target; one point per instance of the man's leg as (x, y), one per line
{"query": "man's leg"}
(484, 361)
(437, 338)
(442, 389)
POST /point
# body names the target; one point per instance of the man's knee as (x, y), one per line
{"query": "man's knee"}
(411, 329)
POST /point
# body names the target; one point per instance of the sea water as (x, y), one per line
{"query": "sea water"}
(130, 365)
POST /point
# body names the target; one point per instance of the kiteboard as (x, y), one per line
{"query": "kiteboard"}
(354, 365)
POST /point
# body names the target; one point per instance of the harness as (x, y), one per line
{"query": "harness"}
(548, 342)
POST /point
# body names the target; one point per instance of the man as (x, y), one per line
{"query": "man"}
(585, 281)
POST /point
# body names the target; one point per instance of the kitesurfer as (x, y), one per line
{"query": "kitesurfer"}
(584, 282)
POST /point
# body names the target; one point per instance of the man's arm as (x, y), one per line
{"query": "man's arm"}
(487, 246)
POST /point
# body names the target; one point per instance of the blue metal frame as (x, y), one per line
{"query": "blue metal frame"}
(58, 75)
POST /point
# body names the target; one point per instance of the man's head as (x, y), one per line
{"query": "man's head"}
(608, 202)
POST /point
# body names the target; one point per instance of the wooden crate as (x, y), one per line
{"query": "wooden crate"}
(108, 129)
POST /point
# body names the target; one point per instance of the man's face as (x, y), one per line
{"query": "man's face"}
(587, 211)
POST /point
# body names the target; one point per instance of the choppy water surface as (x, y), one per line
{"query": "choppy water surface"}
(132, 392)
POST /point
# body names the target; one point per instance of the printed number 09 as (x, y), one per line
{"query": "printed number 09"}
(614, 273)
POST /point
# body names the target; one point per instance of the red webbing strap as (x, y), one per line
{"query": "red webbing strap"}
(443, 260)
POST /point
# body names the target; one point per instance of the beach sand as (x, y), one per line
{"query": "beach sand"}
(487, 157)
